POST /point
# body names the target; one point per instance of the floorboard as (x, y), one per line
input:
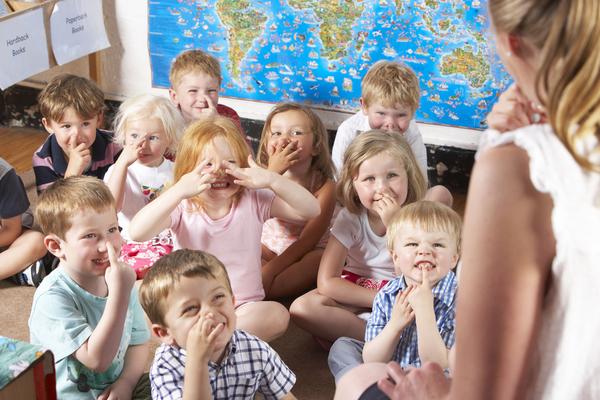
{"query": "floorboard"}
(18, 145)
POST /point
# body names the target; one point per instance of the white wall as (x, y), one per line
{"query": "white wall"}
(126, 73)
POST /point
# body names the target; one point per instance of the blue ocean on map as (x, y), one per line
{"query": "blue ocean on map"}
(317, 51)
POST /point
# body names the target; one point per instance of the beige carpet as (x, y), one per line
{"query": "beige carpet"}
(296, 348)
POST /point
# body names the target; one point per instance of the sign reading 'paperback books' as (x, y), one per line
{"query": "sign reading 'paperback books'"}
(77, 28)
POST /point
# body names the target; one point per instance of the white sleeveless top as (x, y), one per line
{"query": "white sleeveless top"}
(567, 358)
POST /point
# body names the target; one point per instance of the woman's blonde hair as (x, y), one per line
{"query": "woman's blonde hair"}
(368, 145)
(322, 161)
(148, 106)
(199, 137)
(568, 75)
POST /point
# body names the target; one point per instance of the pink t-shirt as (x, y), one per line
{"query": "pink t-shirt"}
(234, 239)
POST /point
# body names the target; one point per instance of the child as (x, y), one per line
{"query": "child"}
(380, 175)
(209, 208)
(390, 99)
(195, 79)
(529, 276)
(188, 298)
(72, 108)
(87, 310)
(424, 240)
(294, 144)
(148, 127)
(22, 251)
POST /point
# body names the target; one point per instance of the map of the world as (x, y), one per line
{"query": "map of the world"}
(317, 51)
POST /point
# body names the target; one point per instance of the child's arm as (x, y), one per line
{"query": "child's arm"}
(79, 157)
(200, 346)
(382, 347)
(288, 396)
(99, 351)
(133, 368)
(292, 202)
(155, 217)
(10, 230)
(430, 342)
(309, 237)
(118, 177)
(330, 282)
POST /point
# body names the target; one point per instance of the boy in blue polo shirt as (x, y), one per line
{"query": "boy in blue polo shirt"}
(72, 108)
(424, 239)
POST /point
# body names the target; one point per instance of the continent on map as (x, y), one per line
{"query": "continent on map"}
(244, 24)
(475, 68)
(336, 17)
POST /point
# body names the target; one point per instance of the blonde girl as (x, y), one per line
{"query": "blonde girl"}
(148, 127)
(219, 204)
(295, 144)
(526, 326)
(380, 175)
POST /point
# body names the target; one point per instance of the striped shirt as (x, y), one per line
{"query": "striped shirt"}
(249, 366)
(444, 305)
(49, 163)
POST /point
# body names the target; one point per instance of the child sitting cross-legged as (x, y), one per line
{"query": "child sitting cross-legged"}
(87, 310)
(413, 315)
(188, 298)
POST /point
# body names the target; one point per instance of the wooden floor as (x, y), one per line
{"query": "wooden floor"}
(17, 146)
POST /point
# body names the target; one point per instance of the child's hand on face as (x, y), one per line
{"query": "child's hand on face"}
(195, 182)
(119, 276)
(79, 157)
(202, 337)
(254, 177)
(421, 297)
(211, 110)
(131, 152)
(513, 111)
(282, 156)
(386, 207)
(402, 313)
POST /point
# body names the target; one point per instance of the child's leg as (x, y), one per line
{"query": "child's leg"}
(326, 318)
(441, 194)
(265, 319)
(296, 278)
(356, 381)
(24, 251)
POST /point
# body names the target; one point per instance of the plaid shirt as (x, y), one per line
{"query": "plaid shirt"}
(249, 366)
(444, 304)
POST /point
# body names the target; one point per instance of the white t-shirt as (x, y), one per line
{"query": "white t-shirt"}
(368, 255)
(566, 362)
(143, 183)
(359, 123)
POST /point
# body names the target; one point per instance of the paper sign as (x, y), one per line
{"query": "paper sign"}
(77, 29)
(23, 47)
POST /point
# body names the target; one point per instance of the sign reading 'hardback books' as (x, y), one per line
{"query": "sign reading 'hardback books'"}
(23, 47)
(77, 28)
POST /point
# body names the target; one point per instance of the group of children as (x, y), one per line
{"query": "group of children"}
(213, 233)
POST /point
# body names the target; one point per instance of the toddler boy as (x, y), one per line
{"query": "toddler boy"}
(424, 239)
(72, 109)
(87, 310)
(195, 79)
(22, 250)
(390, 99)
(187, 297)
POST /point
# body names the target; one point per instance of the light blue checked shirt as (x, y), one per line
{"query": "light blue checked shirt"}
(249, 366)
(444, 304)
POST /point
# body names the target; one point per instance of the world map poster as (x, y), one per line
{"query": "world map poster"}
(316, 52)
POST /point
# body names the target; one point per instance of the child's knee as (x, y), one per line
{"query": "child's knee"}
(441, 194)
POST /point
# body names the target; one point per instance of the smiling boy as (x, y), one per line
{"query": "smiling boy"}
(195, 79)
(87, 310)
(424, 240)
(187, 297)
(72, 109)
